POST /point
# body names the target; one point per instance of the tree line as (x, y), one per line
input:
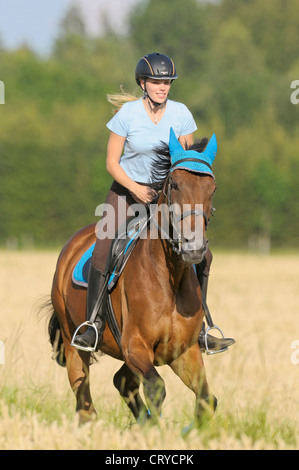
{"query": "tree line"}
(236, 61)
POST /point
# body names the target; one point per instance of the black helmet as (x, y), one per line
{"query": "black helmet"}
(157, 66)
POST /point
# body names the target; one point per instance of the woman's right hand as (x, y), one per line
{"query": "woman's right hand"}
(143, 193)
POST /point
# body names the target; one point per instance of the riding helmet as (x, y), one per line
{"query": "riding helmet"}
(156, 66)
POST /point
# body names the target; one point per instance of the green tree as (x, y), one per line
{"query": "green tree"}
(235, 60)
(178, 29)
(237, 75)
(73, 39)
(273, 26)
(73, 23)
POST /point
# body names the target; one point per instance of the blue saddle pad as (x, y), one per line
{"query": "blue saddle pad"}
(80, 273)
(120, 252)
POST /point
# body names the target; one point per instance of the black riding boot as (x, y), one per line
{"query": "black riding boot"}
(207, 342)
(96, 293)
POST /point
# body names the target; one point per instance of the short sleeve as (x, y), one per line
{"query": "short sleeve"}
(188, 123)
(119, 123)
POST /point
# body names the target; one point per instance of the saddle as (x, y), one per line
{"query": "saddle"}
(124, 243)
(121, 248)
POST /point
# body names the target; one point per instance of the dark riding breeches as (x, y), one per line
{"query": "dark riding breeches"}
(118, 203)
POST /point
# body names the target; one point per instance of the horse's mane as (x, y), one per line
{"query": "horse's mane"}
(161, 165)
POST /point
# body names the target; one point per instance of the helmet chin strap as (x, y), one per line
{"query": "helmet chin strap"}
(154, 103)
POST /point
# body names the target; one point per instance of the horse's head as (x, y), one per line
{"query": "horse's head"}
(188, 191)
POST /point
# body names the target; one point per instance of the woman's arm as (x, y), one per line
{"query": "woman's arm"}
(186, 140)
(114, 152)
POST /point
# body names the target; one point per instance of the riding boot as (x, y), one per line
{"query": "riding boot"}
(207, 342)
(96, 294)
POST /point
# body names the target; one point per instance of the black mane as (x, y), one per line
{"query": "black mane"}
(161, 165)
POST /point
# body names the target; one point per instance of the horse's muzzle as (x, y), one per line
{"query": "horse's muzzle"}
(193, 256)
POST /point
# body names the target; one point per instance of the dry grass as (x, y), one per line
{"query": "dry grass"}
(253, 299)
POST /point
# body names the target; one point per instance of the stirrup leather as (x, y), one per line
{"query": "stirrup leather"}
(208, 352)
(86, 348)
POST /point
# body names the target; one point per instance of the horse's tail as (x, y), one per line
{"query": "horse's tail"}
(54, 332)
(56, 340)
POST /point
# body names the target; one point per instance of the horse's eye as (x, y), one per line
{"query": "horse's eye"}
(174, 185)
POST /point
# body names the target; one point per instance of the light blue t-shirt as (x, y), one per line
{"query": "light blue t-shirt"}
(142, 135)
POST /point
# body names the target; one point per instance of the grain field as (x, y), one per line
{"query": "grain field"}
(252, 298)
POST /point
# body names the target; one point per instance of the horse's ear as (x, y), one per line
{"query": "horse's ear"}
(211, 149)
(174, 144)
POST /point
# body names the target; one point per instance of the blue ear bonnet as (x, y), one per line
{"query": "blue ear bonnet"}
(177, 152)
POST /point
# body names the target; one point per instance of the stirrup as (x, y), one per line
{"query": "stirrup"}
(208, 352)
(86, 348)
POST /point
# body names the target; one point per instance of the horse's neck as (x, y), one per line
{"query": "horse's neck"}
(168, 264)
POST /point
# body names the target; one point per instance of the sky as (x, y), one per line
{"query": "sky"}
(36, 22)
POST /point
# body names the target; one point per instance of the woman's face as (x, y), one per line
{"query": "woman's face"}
(157, 89)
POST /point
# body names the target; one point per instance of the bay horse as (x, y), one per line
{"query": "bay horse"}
(157, 300)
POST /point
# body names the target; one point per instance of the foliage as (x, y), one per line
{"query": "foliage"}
(235, 60)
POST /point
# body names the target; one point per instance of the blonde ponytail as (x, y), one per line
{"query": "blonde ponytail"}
(118, 99)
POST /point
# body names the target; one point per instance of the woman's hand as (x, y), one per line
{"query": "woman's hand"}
(143, 193)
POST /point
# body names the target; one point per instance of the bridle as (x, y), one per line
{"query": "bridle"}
(176, 239)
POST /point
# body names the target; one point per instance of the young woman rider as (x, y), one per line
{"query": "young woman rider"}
(136, 129)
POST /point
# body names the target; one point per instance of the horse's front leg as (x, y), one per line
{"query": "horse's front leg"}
(190, 368)
(139, 358)
(127, 383)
